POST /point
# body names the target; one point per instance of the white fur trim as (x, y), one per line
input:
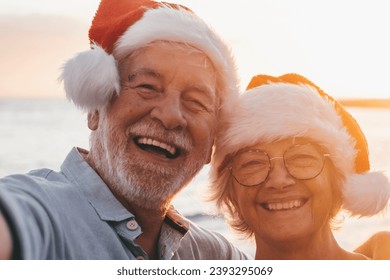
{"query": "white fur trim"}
(91, 79)
(366, 194)
(280, 110)
(180, 25)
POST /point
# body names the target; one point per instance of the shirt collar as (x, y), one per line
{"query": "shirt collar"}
(92, 186)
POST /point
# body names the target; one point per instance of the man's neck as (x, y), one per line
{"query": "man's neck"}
(150, 220)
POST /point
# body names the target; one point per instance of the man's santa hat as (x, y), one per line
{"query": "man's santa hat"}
(275, 108)
(121, 26)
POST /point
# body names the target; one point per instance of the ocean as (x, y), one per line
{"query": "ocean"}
(37, 133)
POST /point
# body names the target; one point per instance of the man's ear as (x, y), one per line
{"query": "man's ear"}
(93, 120)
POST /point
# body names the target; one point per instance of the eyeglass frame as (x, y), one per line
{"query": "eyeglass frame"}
(325, 155)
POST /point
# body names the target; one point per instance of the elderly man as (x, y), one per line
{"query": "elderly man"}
(154, 84)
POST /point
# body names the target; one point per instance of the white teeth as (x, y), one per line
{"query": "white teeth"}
(149, 141)
(284, 206)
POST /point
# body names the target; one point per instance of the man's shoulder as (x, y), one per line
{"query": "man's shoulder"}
(35, 178)
(39, 184)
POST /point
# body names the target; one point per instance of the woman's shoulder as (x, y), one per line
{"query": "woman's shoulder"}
(377, 247)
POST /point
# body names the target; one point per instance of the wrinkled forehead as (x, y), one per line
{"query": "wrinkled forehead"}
(188, 67)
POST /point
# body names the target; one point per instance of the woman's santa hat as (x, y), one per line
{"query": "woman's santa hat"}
(121, 26)
(275, 108)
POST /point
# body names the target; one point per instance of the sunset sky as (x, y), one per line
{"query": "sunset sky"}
(342, 46)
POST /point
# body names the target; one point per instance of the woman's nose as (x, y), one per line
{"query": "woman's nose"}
(278, 177)
(169, 112)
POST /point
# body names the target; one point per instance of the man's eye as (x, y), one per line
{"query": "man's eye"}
(147, 91)
(147, 86)
(197, 105)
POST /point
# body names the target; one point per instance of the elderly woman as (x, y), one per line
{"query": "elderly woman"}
(286, 162)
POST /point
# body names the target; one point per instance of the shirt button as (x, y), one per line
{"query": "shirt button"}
(141, 258)
(132, 224)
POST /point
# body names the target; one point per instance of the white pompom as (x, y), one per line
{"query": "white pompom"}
(91, 78)
(366, 194)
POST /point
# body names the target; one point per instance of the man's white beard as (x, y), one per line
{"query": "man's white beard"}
(139, 182)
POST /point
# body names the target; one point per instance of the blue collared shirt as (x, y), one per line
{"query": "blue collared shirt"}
(72, 214)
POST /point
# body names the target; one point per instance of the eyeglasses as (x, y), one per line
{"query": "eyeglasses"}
(302, 161)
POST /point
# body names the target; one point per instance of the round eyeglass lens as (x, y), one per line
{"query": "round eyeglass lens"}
(251, 168)
(304, 161)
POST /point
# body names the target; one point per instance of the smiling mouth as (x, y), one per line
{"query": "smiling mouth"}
(285, 205)
(157, 147)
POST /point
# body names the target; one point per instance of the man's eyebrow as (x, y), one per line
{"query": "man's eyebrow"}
(143, 72)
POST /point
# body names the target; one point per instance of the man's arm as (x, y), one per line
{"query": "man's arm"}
(377, 247)
(5, 239)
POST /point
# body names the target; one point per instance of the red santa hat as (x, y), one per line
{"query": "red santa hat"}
(275, 108)
(121, 26)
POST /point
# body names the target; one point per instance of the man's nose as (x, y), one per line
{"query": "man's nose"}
(169, 112)
(278, 177)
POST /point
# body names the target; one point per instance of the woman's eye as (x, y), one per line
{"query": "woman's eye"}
(255, 164)
(302, 160)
